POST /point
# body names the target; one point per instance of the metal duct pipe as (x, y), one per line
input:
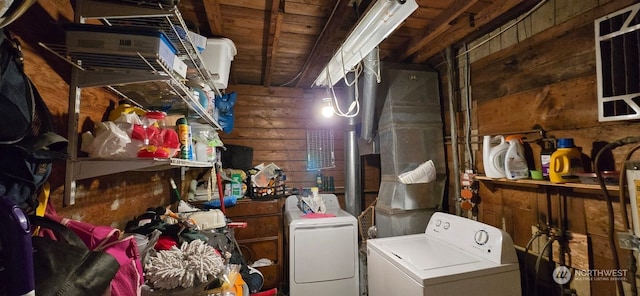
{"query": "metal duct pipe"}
(352, 186)
(454, 134)
(369, 85)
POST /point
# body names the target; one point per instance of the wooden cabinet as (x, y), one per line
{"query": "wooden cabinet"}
(263, 236)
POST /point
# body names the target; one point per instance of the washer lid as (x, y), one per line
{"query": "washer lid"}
(429, 261)
(297, 218)
(423, 253)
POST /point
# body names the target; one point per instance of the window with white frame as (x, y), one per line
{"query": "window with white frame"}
(618, 64)
(320, 149)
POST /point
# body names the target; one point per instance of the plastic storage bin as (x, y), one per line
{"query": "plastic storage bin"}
(217, 58)
(270, 192)
(91, 43)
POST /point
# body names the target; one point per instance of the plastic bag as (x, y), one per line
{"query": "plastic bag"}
(224, 105)
(110, 140)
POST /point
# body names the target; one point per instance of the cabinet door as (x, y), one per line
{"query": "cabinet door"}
(265, 227)
(253, 251)
(254, 208)
(263, 236)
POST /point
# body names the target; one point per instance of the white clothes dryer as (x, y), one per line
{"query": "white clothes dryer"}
(323, 252)
(455, 256)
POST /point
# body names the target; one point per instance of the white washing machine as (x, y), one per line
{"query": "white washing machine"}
(323, 252)
(455, 256)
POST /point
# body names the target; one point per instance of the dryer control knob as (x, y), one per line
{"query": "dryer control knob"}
(481, 237)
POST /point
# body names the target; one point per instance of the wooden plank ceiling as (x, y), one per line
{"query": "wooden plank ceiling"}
(288, 42)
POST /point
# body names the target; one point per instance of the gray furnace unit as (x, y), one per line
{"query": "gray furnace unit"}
(410, 133)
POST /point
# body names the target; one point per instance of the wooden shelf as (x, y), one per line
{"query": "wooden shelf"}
(543, 183)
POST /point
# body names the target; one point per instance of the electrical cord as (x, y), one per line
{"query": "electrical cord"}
(544, 248)
(526, 256)
(518, 20)
(625, 218)
(355, 105)
(607, 197)
(376, 71)
(468, 128)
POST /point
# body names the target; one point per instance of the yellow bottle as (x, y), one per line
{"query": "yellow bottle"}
(125, 108)
(566, 162)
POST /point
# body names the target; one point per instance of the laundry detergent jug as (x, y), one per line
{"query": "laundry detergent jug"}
(515, 164)
(566, 162)
(493, 151)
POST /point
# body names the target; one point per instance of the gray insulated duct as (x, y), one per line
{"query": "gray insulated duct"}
(411, 132)
(369, 87)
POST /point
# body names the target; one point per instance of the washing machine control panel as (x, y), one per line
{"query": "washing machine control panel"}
(481, 237)
(473, 236)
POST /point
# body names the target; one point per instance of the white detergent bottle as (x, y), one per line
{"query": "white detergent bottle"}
(515, 165)
(494, 150)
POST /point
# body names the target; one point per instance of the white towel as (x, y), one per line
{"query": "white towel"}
(424, 173)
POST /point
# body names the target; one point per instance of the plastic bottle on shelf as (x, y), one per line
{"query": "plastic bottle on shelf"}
(201, 151)
(125, 108)
(548, 147)
(182, 127)
(192, 153)
(236, 185)
(494, 150)
(515, 164)
(566, 162)
(331, 185)
(319, 181)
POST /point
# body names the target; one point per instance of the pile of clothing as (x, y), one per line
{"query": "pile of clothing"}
(191, 250)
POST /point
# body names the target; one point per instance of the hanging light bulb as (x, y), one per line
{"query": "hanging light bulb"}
(327, 109)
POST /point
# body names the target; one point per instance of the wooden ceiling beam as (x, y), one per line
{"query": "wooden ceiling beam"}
(214, 17)
(461, 30)
(275, 27)
(326, 45)
(436, 27)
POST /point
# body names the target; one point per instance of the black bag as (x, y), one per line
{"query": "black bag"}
(237, 157)
(66, 266)
(28, 143)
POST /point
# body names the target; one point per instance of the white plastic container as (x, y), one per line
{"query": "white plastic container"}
(217, 59)
(494, 150)
(201, 151)
(515, 164)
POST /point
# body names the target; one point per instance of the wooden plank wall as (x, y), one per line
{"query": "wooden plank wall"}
(271, 120)
(274, 122)
(542, 74)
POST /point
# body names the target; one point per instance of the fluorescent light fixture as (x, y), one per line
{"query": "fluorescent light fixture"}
(379, 21)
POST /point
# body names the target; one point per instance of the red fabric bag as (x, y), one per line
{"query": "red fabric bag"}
(129, 279)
